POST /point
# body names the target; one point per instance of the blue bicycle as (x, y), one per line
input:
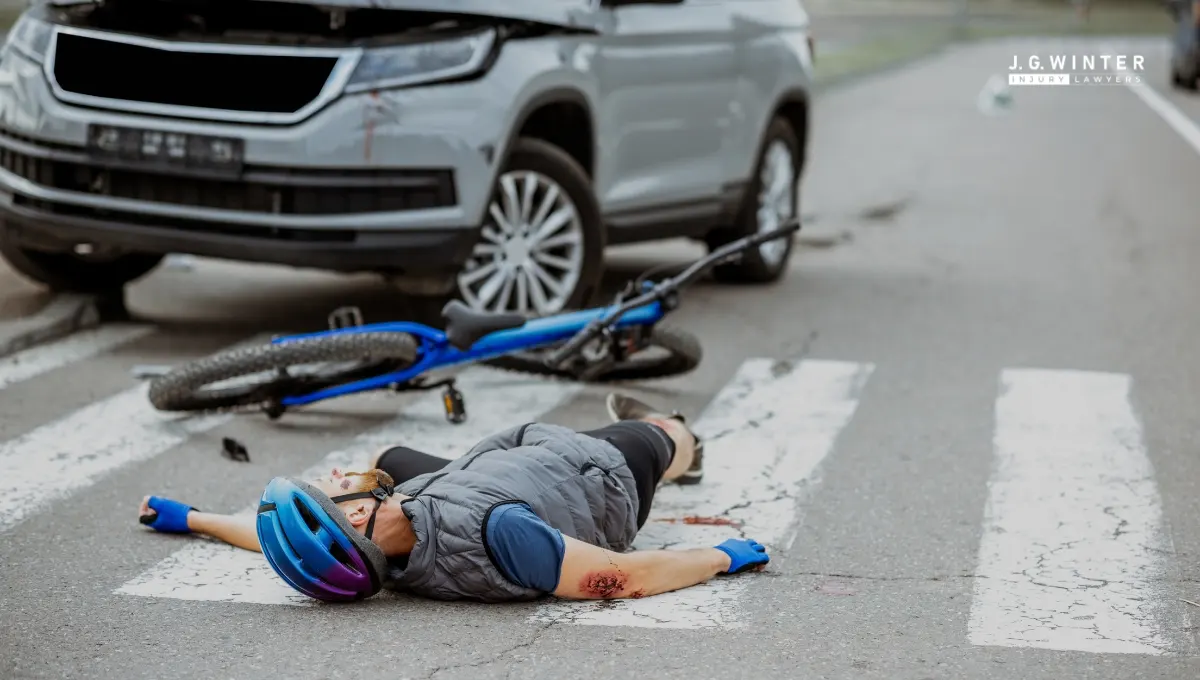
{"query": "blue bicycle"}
(594, 345)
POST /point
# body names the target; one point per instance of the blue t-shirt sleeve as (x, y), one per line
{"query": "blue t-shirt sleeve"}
(527, 551)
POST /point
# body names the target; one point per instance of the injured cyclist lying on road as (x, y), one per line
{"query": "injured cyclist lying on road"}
(537, 509)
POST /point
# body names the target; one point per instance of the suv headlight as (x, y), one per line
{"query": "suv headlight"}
(421, 62)
(30, 37)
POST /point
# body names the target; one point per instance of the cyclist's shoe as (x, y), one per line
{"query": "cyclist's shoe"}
(623, 407)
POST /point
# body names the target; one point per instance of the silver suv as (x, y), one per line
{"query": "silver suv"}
(466, 148)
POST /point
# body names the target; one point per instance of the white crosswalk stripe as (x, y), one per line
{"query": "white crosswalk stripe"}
(1074, 551)
(75, 451)
(765, 433)
(33, 362)
(1073, 539)
(79, 449)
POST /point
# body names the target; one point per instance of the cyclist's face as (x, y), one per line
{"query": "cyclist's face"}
(338, 482)
(331, 484)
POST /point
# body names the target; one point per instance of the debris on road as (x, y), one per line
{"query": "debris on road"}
(996, 97)
(885, 212)
(825, 239)
(234, 450)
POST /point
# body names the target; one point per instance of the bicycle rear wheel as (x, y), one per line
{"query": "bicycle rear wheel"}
(371, 354)
(678, 352)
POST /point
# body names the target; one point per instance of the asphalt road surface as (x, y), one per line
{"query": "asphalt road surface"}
(964, 423)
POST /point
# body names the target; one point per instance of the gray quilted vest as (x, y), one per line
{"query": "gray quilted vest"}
(577, 484)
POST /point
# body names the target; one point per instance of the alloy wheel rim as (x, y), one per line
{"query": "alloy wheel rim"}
(529, 257)
(776, 199)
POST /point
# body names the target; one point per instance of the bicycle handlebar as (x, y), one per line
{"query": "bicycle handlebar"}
(555, 358)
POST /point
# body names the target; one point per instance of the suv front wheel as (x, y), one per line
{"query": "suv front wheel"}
(771, 200)
(541, 245)
(69, 272)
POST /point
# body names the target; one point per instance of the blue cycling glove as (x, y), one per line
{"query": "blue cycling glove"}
(744, 553)
(169, 516)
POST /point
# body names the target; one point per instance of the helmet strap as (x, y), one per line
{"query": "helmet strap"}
(379, 493)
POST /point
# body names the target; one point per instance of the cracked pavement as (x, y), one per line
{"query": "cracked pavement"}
(1060, 235)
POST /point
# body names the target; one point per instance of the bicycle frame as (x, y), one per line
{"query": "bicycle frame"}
(435, 351)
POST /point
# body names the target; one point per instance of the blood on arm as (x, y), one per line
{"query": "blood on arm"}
(593, 573)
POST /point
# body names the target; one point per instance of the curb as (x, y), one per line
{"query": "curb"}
(66, 314)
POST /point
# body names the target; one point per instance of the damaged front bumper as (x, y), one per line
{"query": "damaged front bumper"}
(387, 180)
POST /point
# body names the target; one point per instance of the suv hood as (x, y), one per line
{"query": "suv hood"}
(578, 14)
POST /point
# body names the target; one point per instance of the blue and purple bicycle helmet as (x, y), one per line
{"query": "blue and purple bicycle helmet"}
(309, 542)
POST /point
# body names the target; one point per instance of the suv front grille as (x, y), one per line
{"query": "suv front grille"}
(230, 81)
(261, 190)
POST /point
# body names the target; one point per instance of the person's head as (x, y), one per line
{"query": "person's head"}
(354, 494)
(317, 535)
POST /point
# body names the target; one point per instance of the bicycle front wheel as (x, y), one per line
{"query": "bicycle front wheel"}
(192, 386)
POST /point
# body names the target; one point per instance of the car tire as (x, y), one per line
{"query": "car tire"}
(768, 262)
(67, 272)
(1177, 79)
(570, 256)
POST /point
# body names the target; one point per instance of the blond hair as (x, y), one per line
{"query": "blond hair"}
(357, 482)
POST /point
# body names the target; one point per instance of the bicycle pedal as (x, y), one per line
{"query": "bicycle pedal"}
(345, 317)
(456, 409)
(273, 409)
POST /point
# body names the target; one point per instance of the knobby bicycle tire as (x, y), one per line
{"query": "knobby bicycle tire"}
(684, 355)
(180, 389)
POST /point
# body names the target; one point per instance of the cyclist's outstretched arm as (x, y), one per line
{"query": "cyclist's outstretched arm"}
(590, 572)
(236, 530)
(174, 517)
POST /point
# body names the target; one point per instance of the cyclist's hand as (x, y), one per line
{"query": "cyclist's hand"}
(164, 514)
(744, 553)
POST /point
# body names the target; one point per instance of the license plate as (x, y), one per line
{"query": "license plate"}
(171, 149)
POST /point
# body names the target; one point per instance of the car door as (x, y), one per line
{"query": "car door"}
(665, 73)
(772, 48)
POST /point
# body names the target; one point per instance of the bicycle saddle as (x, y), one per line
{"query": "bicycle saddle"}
(465, 326)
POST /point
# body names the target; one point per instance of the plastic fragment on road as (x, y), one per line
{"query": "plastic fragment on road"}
(234, 450)
(996, 96)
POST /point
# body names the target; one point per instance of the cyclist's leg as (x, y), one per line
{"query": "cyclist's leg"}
(403, 463)
(655, 452)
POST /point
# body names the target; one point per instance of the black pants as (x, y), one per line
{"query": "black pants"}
(647, 449)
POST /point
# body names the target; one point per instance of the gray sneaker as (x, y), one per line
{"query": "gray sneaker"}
(623, 407)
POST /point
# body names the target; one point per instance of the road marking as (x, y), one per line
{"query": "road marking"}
(495, 401)
(1159, 104)
(766, 433)
(1070, 557)
(33, 362)
(73, 452)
